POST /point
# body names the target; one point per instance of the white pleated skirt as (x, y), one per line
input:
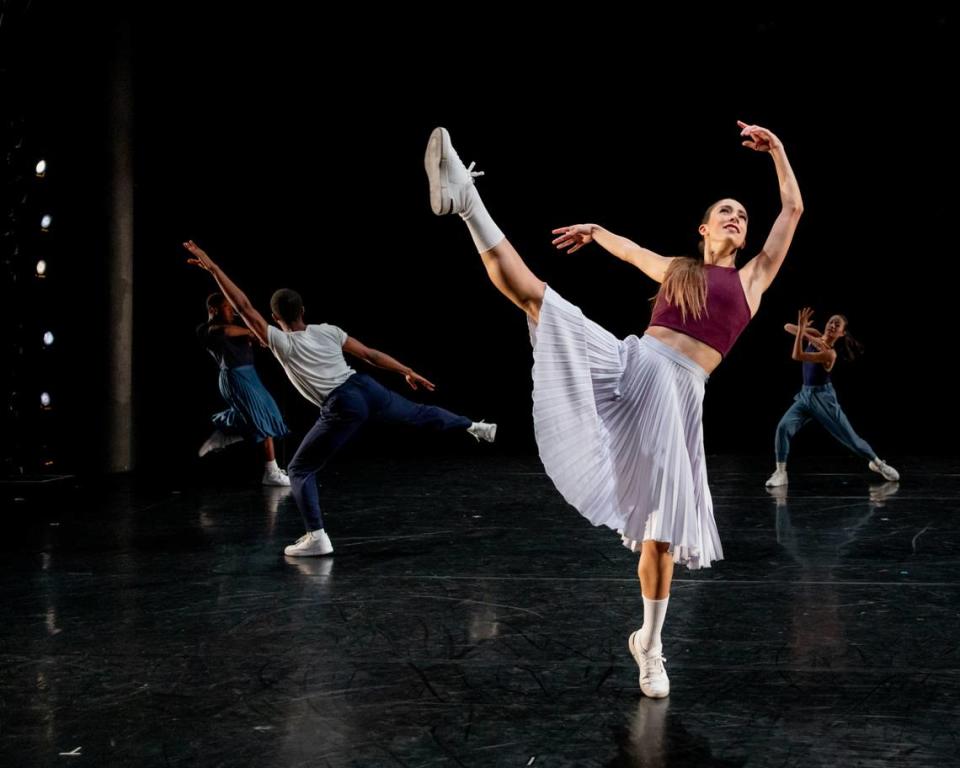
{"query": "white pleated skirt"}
(620, 432)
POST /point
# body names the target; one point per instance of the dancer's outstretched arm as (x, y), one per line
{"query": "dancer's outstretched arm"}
(382, 360)
(237, 298)
(759, 272)
(574, 237)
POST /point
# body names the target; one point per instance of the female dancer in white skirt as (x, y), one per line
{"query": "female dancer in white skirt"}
(618, 423)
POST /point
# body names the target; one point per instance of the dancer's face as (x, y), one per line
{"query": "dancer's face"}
(835, 328)
(727, 223)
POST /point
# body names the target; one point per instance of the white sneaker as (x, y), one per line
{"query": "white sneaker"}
(779, 477)
(275, 477)
(653, 676)
(310, 545)
(483, 431)
(449, 177)
(217, 442)
(881, 467)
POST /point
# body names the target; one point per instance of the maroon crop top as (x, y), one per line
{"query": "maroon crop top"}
(727, 312)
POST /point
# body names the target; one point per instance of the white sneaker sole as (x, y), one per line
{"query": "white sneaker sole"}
(435, 163)
(307, 553)
(214, 447)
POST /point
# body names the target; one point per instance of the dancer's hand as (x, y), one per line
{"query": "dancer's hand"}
(759, 139)
(413, 379)
(573, 238)
(804, 318)
(200, 257)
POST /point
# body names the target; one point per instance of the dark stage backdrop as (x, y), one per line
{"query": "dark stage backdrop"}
(296, 166)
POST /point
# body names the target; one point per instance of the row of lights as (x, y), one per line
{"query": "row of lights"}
(46, 402)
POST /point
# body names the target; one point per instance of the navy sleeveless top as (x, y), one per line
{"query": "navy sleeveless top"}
(814, 374)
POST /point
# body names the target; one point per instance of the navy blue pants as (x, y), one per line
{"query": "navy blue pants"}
(351, 405)
(819, 403)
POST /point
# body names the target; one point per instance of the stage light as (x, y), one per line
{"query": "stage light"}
(46, 221)
(41, 168)
(41, 268)
(48, 338)
(45, 399)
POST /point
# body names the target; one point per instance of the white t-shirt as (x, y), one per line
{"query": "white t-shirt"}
(312, 358)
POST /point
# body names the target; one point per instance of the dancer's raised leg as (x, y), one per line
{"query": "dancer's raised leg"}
(452, 191)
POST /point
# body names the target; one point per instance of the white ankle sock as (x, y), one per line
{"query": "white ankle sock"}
(317, 532)
(781, 466)
(483, 230)
(271, 466)
(654, 612)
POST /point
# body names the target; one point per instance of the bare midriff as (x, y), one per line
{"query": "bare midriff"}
(702, 354)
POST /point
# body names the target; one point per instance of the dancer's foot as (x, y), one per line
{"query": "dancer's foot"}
(217, 442)
(275, 477)
(881, 467)
(778, 478)
(653, 676)
(481, 430)
(450, 179)
(311, 544)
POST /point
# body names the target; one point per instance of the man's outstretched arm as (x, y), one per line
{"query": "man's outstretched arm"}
(237, 298)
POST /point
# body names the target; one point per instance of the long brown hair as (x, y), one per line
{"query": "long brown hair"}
(685, 286)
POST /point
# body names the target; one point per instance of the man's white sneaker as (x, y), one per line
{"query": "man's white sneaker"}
(310, 545)
(275, 477)
(778, 478)
(653, 676)
(449, 178)
(483, 431)
(881, 467)
(217, 442)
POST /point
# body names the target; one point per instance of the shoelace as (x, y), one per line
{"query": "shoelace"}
(472, 173)
(654, 665)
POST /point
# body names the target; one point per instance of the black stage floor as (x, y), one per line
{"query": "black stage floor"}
(470, 618)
